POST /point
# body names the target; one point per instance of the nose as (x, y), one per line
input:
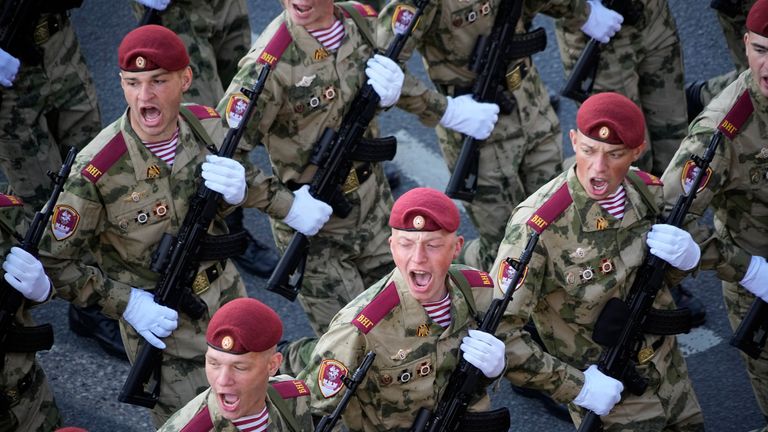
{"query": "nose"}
(420, 254)
(600, 163)
(145, 92)
(225, 377)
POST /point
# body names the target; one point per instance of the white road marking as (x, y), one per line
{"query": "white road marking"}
(698, 340)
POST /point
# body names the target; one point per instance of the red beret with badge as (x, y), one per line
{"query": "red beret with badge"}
(152, 47)
(244, 325)
(611, 118)
(424, 209)
(757, 18)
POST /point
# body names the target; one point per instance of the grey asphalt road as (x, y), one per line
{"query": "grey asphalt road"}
(86, 381)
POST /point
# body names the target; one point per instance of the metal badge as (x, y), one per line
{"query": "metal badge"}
(587, 274)
(401, 354)
(425, 368)
(140, 62)
(123, 224)
(142, 217)
(580, 252)
(404, 377)
(604, 132)
(457, 21)
(135, 197)
(606, 266)
(320, 54)
(763, 153)
(306, 81)
(570, 278)
(645, 355)
(423, 330)
(314, 102)
(200, 284)
(227, 343)
(298, 108)
(601, 223)
(472, 16)
(485, 9)
(153, 171)
(352, 183)
(386, 379)
(419, 222)
(329, 92)
(161, 209)
(514, 78)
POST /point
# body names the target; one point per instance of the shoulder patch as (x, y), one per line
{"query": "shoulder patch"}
(402, 18)
(291, 389)
(202, 112)
(276, 46)
(551, 209)
(329, 377)
(478, 279)
(737, 115)
(200, 422)
(103, 160)
(649, 179)
(380, 306)
(10, 201)
(64, 221)
(365, 10)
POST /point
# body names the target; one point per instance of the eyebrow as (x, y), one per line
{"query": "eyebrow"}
(757, 45)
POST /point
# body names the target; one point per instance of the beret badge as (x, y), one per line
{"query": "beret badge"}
(227, 343)
(604, 132)
(418, 222)
(140, 62)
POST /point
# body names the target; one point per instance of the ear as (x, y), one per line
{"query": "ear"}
(186, 79)
(638, 151)
(573, 136)
(459, 245)
(275, 360)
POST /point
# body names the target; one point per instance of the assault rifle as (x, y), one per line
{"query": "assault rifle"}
(752, 333)
(17, 19)
(177, 259)
(463, 382)
(10, 300)
(491, 57)
(327, 423)
(333, 155)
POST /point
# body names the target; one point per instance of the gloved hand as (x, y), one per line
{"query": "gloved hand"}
(155, 4)
(307, 214)
(756, 279)
(600, 392)
(466, 115)
(151, 320)
(602, 22)
(674, 246)
(226, 176)
(9, 67)
(25, 273)
(485, 352)
(386, 78)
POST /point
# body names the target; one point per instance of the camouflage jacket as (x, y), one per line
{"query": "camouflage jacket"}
(414, 355)
(583, 258)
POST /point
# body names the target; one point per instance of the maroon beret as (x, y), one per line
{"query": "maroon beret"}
(611, 118)
(424, 209)
(244, 325)
(757, 18)
(152, 47)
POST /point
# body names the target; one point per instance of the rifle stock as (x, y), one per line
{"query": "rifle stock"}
(327, 423)
(751, 335)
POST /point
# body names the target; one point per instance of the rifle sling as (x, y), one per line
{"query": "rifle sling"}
(28, 339)
(361, 23)
(282, 407)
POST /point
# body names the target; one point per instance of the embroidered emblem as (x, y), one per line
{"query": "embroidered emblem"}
(329, 377)
(64, 221)
(507, 273)
(402, 18)
(235, 110)
(688, 177)
(153, 171)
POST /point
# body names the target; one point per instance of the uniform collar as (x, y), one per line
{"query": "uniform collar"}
(309, 46)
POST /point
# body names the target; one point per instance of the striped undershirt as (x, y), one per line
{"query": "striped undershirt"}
(165, 150)
(440, 311)
(331, 37)
(254, 423)
(615, 202)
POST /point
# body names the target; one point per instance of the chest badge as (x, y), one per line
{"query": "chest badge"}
(763, 153)
(320, 54)
(142, 217)
(401, 354)
(306, 81)
(153, 171)
(601, 223)
(422, 331)
(161, 209)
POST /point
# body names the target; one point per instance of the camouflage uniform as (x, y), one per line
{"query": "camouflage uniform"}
(525, 149)
(643, 62)
(104, 201)
(288, 410)
(583, 258)
(35, 409)
(217, 33)
(347, 254)
(738, 195)
(52, 105)
(414, 355)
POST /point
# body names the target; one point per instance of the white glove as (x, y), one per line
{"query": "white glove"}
(470, 117)
(149, 319)
(9, 67)
(155, 4)
(485, 352)
(602, 22)
(673, 245)
(756, 279)
(307, 214)
(600, 392)
(386, 78)
(226, 176)
(25, 273)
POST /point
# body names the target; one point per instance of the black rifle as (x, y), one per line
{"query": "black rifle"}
(177, 261)
(10, 299)
(752, 333)
(327, 423)
(623, 320)
(490, 59)
(333, 154)
(463, 382)
(150, 16)
(17, 19)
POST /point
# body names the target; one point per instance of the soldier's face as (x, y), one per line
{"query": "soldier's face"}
(240, 381)
(423, 258)
(153, 98)
(310, 14)
(757, 56)
(601, 167)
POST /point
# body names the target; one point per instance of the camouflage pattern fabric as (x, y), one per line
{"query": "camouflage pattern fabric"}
(584, 258)
(525, 149)
(52, 105)
(103, 218)
(738, 195)
(414, 355)
(307, 91)
(644, 63)
(217, 33)
(35, 409)
(298, 406)
(376, 4)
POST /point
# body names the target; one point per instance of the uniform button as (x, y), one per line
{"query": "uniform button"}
(123, 224)
(386, 379)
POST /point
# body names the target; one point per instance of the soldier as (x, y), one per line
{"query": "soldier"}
(130, 185)
(325, 58)
(416, 319)
(520, 153)
(735, 189)
(597, 215)
(240, 364)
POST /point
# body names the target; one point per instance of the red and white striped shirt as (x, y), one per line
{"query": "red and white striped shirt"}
(254, 423)
(331, 37)
(165, 150)
(615, 202)
(440, 311)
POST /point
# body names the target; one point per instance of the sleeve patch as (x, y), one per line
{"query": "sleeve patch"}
(64, 222)
(103, 161)
(329, 377)
(10, 201)
(291, 389)
(203, 112)
(649, 179)
(478, 279)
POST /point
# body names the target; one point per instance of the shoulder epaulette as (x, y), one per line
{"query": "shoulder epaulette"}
(364, 10)
(551, 209)
(276, 46)
(377, 309)
(478, 278)
(200, 422)
(649, 179)
(104, 159)
(10, 201)
(737, 115)
(202, 112)
(291, 389)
